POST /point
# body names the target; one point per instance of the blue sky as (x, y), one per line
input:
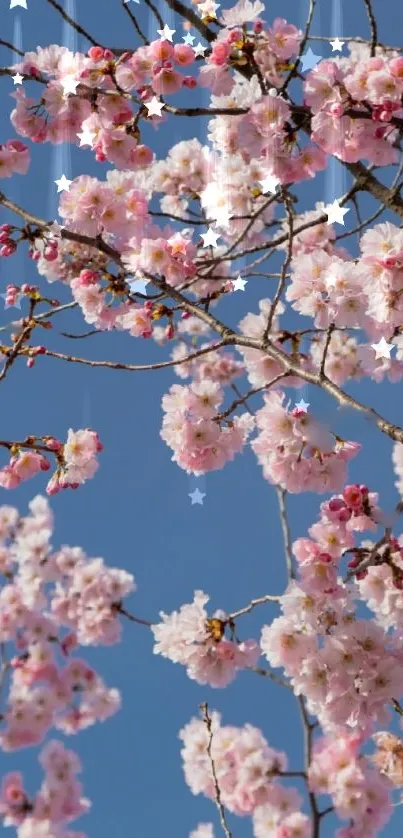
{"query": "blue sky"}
(136, 513)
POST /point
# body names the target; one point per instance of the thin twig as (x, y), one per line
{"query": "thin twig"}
(11, 46)
(135, 23)
(302, 45)
(355, 40)
(373, 26)
(326, 349)
(253, 604)
(116, 365)
(74, 23)
(220, 807)
(266, 673)
(285, 266)
(281, 494)
(121, 610)
(196, 21)
(308, 728)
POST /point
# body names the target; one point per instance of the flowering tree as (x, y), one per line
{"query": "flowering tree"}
(277, 115)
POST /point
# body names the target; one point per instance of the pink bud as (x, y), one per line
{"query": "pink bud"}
(8, 249)
(258, 26)
(108, 55)
(96, 53)
(336, 109)
(354, 562)
(100, 156)
(88, 277)
(189, 82)
(4, 238)
(45, 464)
(52, 443)
(5, 228)
(335, 504)
(40, 137)
(53, 486)
(396, 67)
(30, 362)
(50, 253)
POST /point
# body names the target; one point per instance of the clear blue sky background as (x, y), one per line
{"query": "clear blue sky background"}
(136, 513)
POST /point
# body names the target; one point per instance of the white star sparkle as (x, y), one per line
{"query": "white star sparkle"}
(63, 185)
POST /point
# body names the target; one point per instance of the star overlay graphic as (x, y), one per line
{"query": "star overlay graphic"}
(382, 349)
(337, 45)
(309, 60)
(210, 238)
(63, 184)
(335, 213)
(197, 497)
(301, 405)
(238, 284)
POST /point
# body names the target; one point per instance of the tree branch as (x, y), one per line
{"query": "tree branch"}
(220, 807)
(374, 28)
(73, 23)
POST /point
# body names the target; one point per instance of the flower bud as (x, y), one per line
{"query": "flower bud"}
(8, 249)
(96, 53)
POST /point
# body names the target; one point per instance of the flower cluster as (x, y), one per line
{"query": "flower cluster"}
(46, 593)
(359, 792)
(347, 667)
(371, 88)
(58, 801)
(298, 453)
(14, 157)
(190, 637)
(246, 766)
(190, 427)
(76, 461)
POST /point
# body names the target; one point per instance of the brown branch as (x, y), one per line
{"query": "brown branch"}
(281, 494)
(121, 610)
(155, 12)
(220, 807)
(117, 365)
(11, 46)
(326, 349)
(253, 603)
(285, 266)
(97, 243)
(193, 18)
(373, 26)
(266, 673)
(205, 111)
(369, 183)
(135, 23)
(302, 46)
(308, 728)
(73, 23)
(243, 399)
(393, 431)
(355, 40)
